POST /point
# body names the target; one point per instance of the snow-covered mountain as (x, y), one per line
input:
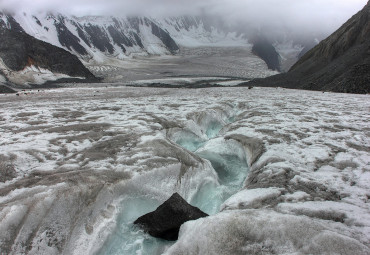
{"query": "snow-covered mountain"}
(25, 59)
(106, 41)
(192, 31)
(96, 39)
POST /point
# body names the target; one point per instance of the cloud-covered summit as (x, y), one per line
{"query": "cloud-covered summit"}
(303, 16)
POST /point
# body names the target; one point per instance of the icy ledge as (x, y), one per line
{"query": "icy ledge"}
(264, 231)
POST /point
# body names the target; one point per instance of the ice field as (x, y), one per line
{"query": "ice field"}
(279, 171)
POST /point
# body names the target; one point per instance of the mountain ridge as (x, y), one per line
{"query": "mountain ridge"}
(27, 60)
(93, 37)
(340, 63)
(100, 38)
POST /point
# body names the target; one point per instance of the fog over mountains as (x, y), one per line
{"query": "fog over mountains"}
(96, 39)
(340, 63)
(287, 21)
(101, 33)
(309, 13)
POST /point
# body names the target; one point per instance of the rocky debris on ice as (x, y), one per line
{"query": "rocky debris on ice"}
(166, 220)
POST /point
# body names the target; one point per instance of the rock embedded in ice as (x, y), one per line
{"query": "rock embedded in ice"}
(166, 220)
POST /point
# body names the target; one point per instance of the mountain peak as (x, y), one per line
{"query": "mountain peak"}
(20, 52)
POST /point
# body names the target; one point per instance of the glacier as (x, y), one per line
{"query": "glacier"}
(80, 164)
(123, 42)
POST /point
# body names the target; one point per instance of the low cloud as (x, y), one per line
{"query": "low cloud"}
(304, 15)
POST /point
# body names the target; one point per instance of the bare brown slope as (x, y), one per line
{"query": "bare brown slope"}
(340, 63)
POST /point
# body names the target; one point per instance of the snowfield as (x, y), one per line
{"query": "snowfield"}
(279, 171)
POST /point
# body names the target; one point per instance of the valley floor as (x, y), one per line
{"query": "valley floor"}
(197, 61)
(280, 171)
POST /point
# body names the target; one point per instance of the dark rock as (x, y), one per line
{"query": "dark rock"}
(37, 21)
(12, 24)
(138, 40)
(340, 63)
(267, 52)
(119, 38)
(164, 37)
(4, 89)
(307, 47)
(166, 220)
(134, 23)
(99, 38)
(66, 38)
(81, 33)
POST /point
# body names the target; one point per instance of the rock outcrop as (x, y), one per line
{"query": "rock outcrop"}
(166, 220)
(4, 89)
(340, 63)
(267, 52)
(19, 50)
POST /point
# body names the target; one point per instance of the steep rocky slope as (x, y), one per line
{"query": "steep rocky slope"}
(266, 51)
(25, 59)
(340, 63)
(5, 89)
(96, 38)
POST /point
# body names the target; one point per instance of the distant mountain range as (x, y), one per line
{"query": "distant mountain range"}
(48, 46)
(340, 63)
(27, 55)
(96, 39)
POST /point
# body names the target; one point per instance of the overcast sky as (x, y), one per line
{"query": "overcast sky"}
(325, 14)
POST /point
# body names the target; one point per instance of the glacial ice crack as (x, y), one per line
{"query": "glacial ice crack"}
(212, 168)
(227, 155)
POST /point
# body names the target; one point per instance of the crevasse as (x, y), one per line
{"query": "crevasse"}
(224, 159)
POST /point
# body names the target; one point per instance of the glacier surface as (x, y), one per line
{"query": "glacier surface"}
(278, 176)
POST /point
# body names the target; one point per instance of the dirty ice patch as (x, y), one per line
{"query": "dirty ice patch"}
(248, 231)
(350, 215)
(251, 198)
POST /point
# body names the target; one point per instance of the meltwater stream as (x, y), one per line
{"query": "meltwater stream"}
(227, 158)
